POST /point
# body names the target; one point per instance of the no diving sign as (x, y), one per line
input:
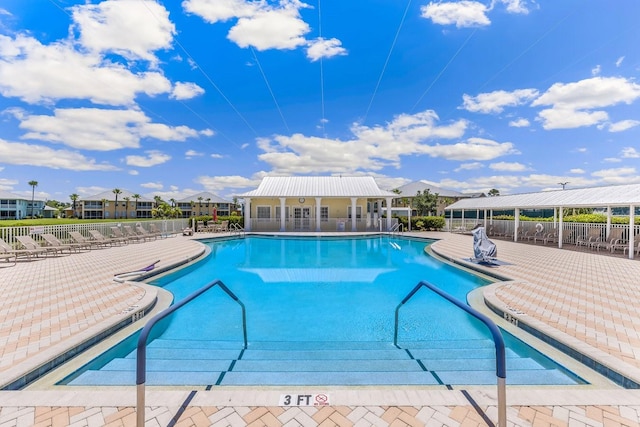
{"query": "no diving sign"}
(319, 399)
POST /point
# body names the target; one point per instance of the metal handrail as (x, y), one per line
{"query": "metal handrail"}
(141, 355)
(236, 228)
(501, 366)
(397, 228)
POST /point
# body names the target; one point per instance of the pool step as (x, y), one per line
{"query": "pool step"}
(196, 362)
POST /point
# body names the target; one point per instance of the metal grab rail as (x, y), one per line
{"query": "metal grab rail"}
(236, 228)
(501, 366)
(397, 228)
(141, 355)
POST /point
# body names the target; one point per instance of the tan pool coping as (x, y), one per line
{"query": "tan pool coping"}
(586, 301)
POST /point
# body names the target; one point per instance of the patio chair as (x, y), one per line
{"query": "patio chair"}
(624, 251)
(28, 243)
(118, 234)
(8, 255)
(590, 239)
(53, 241)
(222, 227)
(8, 249)
(615, 238)
(153, 228)
(88, 243)
(99, 237)
(140, 231)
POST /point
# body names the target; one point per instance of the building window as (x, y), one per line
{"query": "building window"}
(263, 212)
(358, 212)
(324, 213)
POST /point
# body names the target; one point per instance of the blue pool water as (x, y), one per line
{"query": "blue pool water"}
(321, 311)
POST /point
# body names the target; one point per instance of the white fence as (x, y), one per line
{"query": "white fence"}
(61, 231)
(310, 225)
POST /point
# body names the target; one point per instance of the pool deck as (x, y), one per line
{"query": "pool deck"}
(587, 302)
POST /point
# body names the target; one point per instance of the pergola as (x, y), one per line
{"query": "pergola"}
(595, 197)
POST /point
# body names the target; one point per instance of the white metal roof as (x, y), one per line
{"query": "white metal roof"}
(615, 195)
(318, 186)
(214, 198)
(110, 196)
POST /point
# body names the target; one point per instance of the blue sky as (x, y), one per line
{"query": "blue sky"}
(173, 98)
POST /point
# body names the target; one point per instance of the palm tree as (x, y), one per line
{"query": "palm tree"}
(173, 202)
(104, 203)
(136, 197)
(73, 198)
(208, 203)
(199, 205)
(116, 191)
(158, 200)
(33, 185)
(126, 206)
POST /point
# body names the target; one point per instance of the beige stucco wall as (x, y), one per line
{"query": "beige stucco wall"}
(338, 208)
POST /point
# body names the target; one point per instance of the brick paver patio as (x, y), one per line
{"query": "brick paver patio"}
(587, 301)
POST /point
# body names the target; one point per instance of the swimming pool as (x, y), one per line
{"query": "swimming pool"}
(321, 311)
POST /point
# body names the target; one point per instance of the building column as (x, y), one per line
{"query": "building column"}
(283, 224)
(353, 214)
(516, 224)
(560, 227)
(318, 219)
(389, 199)
(485, 219)
(632, 217)
(608, 221)
(462, 219)
(247, 214)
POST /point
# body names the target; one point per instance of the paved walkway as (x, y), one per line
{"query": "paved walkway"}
(587, 301)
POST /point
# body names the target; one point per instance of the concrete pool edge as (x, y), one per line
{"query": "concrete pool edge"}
(32, 370)
(591, 357)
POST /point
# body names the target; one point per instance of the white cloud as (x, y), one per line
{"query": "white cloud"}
(134, 172)
(571, 103)
(469, 166)
(186, 91)
(619, 61)
(133, 29)
(630, 153)
(100, 129)
(373, 148)
(39, 73)
(623, 125)
(245, 145)
(216, 156)
(611, 160)
(324, 48)
(218, 183)
(464, 13)
(509, 167)
(193, 153)
(16, 153)
(595, 71)
(91, 190)
(625, 175)
(513, 6)
(260, 25)
(153, 158)
(577, 171)
(7, 184)
(152, 185)
(581, 150)
(494, 102)
(520, 123)
(207, 132)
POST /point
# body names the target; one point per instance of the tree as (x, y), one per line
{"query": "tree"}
(33, 185)
(173, 202)
(164, 210)
(136, 197)
(493, 192)
(208, 204)
(158, 200)
(116, 191)
(200, 205)
(104, 205)
(73, 198)
(425, 203)
(126, 206)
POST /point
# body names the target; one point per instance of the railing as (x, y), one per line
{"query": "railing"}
(501, 366)
(310, 225)
(236, 229)
(397, 228)
(61, 231)
(141, 356)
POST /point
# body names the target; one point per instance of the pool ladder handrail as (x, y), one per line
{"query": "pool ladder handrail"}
(236, 229)
(397, 228)
(501, 366)
(141, 354)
